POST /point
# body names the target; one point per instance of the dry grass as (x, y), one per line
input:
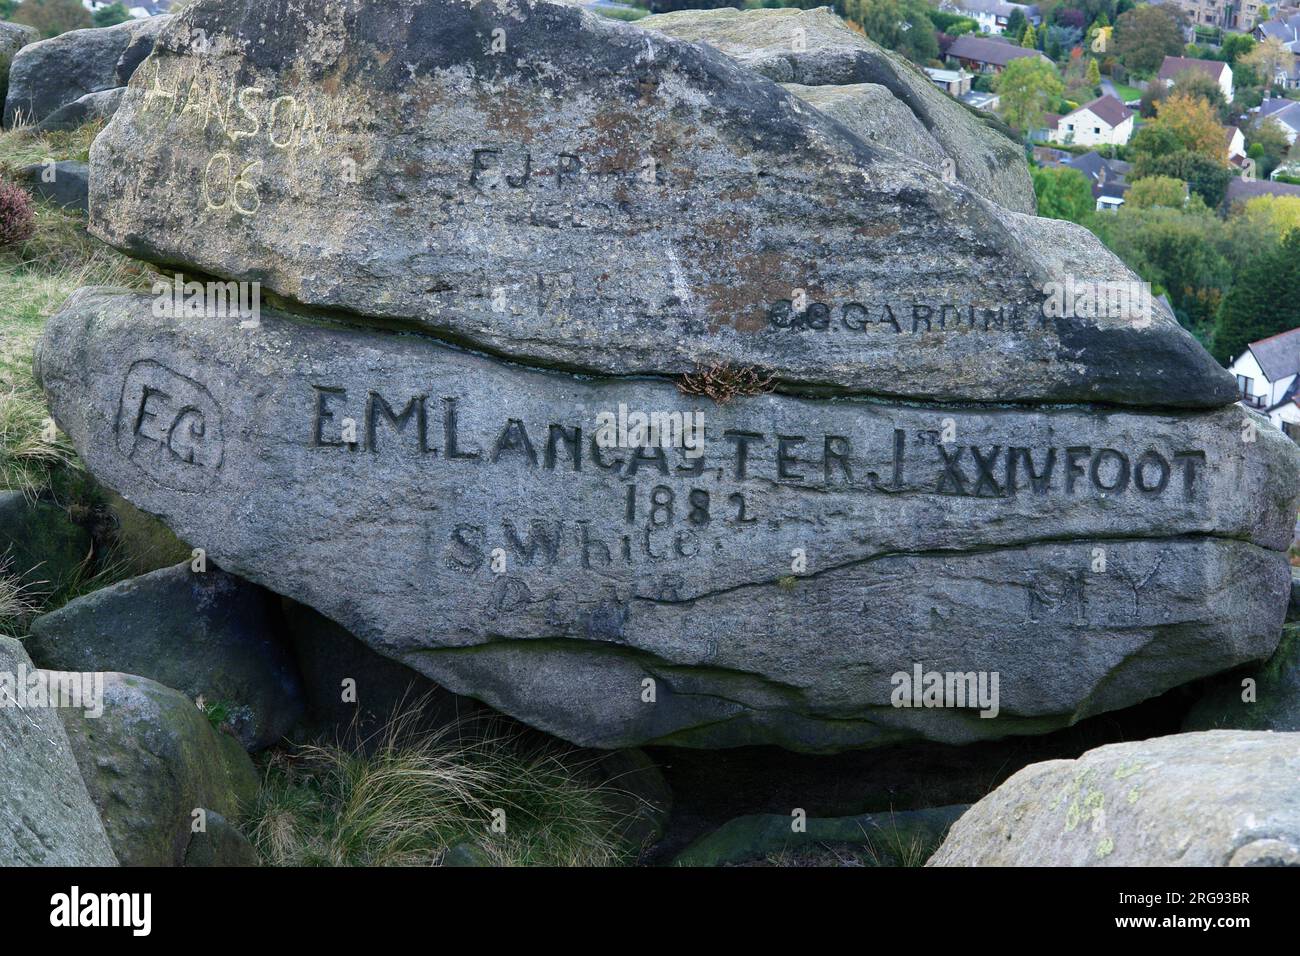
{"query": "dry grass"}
(722, 382)
(408, 796)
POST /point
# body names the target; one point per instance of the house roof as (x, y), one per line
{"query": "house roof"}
(1286, 29)
(1110, 110)
(1284, 111)
(998, 8)
(1173, 65)
(1239, 190)
(967, 47)
(1278, 355)
(1105, 176)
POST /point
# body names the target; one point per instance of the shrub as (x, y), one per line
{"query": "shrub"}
(17, 216)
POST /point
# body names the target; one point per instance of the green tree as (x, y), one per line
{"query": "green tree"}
(1264, 301)
(904, 27)
(1030, 39)
(1015, 28)
(1267, 145)
(110, 15)
(1156, 191)
(52, 17)
(1235, 46)
(1205, 177)
(7, 8)
(1178, 252)
(1062, 193)
(1094, 73)
(1145, 35)
(1027, 88)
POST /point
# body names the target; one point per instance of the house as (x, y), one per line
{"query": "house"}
(1239, 15)
(1285, 113)
(1103, 122)
(992, 15)
(1240, 190)
(1286, 29)
(1235, 143)
(988, 102)
(137, 8)
(987, 56)
(1268, 376)
(1220, 73)
(952, 82)
(1108, 178)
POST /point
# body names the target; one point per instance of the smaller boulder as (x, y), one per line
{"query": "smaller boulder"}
(40, 545)
(152, 759)
(86, 109)
(46, 816)
(50, 74)
(1220, 798)
(65, 183)
(209, 635)
(13, 37)
(220, 844)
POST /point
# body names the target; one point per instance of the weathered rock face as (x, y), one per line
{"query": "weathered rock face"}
(46, 816)
(875, 115)
(815, 48)
(210, 635)
(65, 183)
(461, 515)
(551, 186)
(40, 545)
(13, 37)
(86, 109)
(53, 73)
(149, 761)
(1221, 798)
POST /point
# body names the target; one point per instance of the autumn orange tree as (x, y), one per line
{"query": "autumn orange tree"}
(1193, 123)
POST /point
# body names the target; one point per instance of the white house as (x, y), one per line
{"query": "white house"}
(1267, 379)
(992, 15)
(1219, 72)
(1103, 122)
(1285, 113)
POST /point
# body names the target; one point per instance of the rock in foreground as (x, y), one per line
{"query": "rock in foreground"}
(548, 185)
(150, 760)
(462, 516)
(207, 635)
(1220, 798)
(46, 815)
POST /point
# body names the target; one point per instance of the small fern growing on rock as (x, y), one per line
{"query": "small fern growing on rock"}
(17, 217)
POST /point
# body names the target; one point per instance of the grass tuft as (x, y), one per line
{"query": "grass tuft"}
(406, 796)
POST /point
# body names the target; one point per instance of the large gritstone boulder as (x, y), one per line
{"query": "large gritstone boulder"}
(550, 186)
(614, 386)
(799, 574)
(1220, 798)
